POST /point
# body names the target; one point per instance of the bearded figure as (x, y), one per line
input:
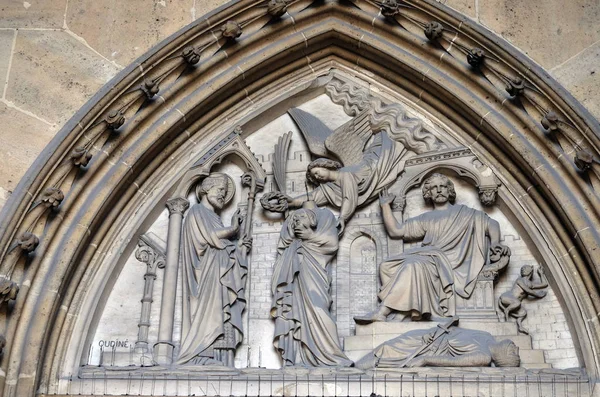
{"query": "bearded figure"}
(457, 242)
(214, 277)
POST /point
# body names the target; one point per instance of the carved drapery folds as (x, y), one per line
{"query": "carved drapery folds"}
(539, 139)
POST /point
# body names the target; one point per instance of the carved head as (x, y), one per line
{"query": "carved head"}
(214, 187)
(505, 354)
(438, 188)
(304, 222)
(321, 171)
(526, 271)
(487, 196)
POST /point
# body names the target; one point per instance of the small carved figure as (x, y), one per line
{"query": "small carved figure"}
(305, 332)
(214, 277)
(422, 281)
(8, 289)
(443, 346)
(509, 303)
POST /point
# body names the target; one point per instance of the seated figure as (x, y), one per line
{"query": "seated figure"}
(443, 346)
(421, 283)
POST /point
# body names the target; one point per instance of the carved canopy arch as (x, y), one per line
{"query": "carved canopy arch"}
(499, 103)
(231, 145)
(460, 161)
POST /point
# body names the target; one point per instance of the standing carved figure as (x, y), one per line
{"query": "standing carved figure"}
(214, 277)
(509, 303)
(305, 332)
(456, 241)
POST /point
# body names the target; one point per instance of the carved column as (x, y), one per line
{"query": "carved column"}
(153, 260)
(163, 349)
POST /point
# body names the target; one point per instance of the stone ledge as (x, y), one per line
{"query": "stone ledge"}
(493, 327)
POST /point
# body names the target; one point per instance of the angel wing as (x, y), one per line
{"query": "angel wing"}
(280, 159)
(314, 131)
(346, 143)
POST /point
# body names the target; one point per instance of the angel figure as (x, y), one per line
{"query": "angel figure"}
(371, 147)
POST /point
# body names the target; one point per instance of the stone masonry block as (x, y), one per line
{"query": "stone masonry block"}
(581, 76)
(550, 32)
(22, 138)
(143, 24)
(6, 44)
(48, 64)
(32, 14)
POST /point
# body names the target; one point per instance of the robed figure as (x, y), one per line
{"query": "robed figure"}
(214, 268)
(305, 332)
(422, 282)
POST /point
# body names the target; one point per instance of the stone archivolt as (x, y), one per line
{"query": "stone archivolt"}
(121, 154)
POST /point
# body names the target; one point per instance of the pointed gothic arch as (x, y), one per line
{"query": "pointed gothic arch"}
(147, 126)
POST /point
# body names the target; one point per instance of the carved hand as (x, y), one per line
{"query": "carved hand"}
(247, 242)
(498, 251)
(236, 219)
(428, 338)
(341, 225)
(540, 271)
(385, 198)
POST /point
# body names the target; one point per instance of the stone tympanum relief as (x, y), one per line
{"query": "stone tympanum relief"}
(342, 232)
(456, 241)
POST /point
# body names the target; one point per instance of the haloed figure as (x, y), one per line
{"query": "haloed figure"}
(305, 333)
(214, 277)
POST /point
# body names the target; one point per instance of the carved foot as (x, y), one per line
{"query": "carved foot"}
(370, 318)
(523, 330)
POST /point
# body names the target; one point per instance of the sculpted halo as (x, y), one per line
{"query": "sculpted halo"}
(230, 186)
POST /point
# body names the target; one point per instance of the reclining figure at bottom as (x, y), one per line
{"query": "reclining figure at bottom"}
(443, 346)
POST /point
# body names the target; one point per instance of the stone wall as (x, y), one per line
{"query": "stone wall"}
(55, 54)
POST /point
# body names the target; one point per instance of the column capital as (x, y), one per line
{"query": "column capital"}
(177, 205)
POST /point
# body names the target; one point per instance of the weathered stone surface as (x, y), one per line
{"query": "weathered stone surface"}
(32, 13)
(6, 42)
(134, 26)
(22, 138)
(4, 195)
(467, 7)
(203, 7)
(53, 74)
(548, 31)
(581, 76)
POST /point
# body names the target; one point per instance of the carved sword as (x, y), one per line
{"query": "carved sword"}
(444, 329)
